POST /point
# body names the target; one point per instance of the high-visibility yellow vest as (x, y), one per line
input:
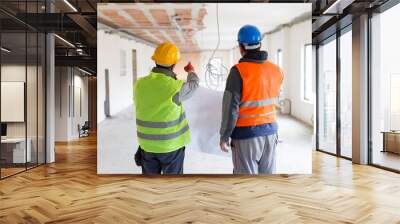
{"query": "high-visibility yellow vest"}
(161, 123)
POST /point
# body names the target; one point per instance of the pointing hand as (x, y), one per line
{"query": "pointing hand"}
(189, 67)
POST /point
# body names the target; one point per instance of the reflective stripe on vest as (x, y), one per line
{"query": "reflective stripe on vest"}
(151, 124)
(256, 115)
(163, 136)
(261, 85)
(257, 103)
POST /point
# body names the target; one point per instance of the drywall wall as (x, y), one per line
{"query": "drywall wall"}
(291, 41)
(120, 86)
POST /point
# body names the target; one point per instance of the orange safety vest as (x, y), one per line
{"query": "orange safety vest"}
(260, 92)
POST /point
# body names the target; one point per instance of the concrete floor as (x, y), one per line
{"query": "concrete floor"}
(293, 153)
(117, 141)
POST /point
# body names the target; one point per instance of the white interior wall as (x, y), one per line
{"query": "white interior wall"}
(272, 43)
(300, 35)
(61, 103)
(108, 57)
(235, 55)
(66, 121)
(80, 117)
(291, 41)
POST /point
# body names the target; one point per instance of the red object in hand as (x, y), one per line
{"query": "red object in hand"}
(189, 67)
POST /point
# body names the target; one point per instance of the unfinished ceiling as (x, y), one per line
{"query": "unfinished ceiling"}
(232, 16)
(156, 23)
(193, 26)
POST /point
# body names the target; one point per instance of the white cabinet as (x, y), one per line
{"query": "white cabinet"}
(19, 155)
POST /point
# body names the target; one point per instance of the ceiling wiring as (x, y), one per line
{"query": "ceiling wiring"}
(215, 72)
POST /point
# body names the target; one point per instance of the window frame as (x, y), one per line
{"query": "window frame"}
(304, 94)
(279, 58)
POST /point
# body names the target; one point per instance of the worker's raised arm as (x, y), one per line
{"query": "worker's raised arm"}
(230, 104)
(190, 86)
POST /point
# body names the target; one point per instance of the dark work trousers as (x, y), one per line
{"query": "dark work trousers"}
(163, 163)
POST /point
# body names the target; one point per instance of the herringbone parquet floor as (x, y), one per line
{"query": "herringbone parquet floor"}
(70, 191)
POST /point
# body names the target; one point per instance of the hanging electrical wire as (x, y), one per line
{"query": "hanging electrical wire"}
(216, 72)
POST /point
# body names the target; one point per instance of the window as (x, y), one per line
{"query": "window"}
(279, 58)
(394, 102)
(307, 73)
(385, 89)
(327, 97)
(346, 108)
(334, 103)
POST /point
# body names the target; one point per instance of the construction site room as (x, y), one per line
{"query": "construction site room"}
(206, 34)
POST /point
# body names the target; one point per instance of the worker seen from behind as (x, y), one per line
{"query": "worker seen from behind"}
(249, 124)
(162, 128)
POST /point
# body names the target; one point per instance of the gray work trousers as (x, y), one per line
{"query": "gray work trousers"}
(254, 155)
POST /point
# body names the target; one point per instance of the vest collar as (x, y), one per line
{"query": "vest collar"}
(164, 71)
(255, 56)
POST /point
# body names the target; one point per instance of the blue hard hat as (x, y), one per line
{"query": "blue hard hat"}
(249, 34)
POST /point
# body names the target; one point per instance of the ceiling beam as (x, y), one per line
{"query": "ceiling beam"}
(84, 24)
(77, 61)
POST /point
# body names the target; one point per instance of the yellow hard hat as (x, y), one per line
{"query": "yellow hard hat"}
(166, 54)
